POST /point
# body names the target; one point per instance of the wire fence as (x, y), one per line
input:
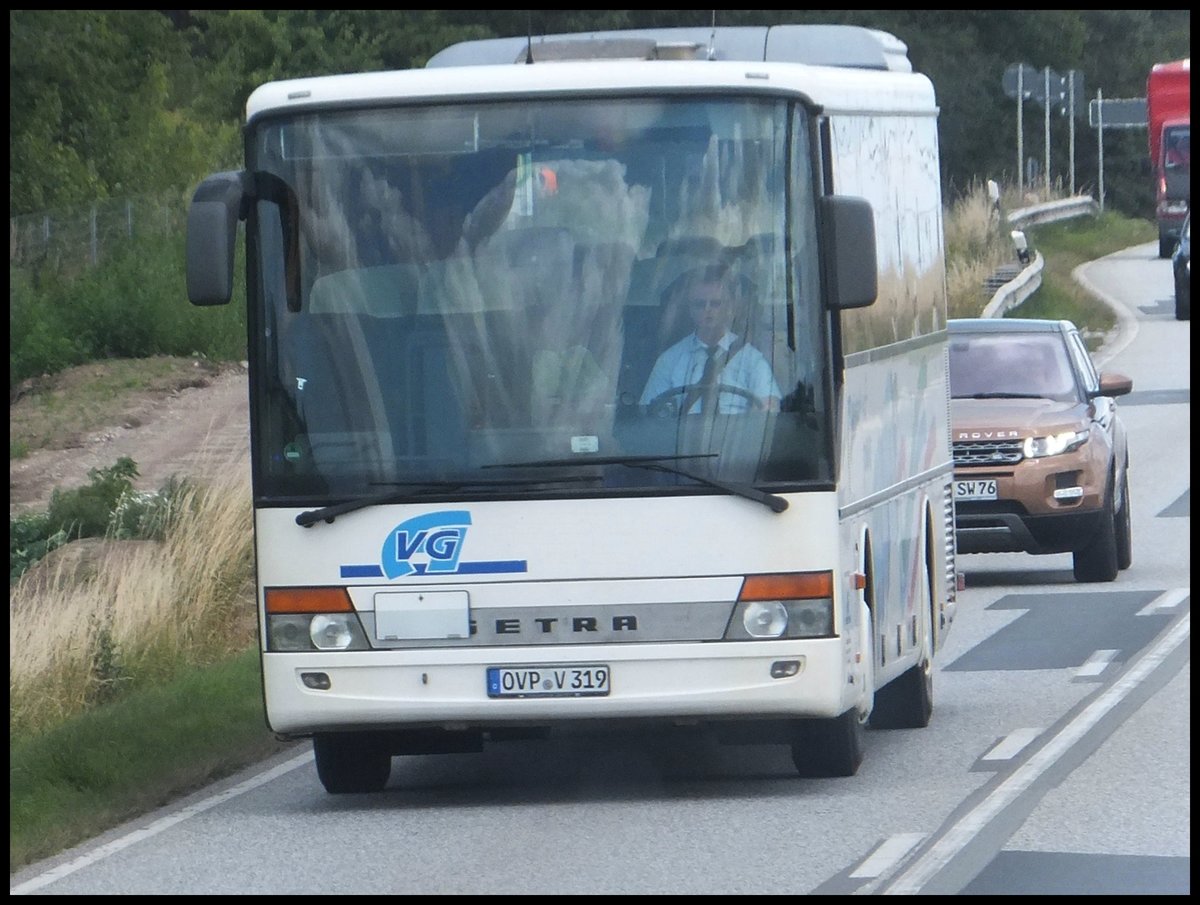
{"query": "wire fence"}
(74, 239)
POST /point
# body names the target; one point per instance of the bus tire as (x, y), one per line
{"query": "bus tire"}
(829, 747)
(906, 702)
(351, 762)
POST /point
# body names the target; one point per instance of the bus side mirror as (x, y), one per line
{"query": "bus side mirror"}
(211, 230)
(848, 248)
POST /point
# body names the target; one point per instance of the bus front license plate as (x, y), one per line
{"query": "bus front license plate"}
(572, 680)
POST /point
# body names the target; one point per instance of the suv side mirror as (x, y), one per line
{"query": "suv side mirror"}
(1113, 384)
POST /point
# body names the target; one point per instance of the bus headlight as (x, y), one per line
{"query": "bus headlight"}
(810, 618)
(761, 619)
(332, 632)
(308, 619)
(790, 605)
(764, 618)
(288, 633)
(321, 631)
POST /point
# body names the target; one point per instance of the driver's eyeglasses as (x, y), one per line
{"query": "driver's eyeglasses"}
(701, 304)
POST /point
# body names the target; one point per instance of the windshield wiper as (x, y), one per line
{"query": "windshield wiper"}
(655, 463)
(1002, 396)
(407, 491)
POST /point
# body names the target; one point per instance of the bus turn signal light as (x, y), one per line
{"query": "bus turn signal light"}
(787, 586)
(307, 600)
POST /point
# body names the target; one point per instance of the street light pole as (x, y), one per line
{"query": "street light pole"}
(1100, 142)
(1020, 131)
(1071, 117)
(1047, 106)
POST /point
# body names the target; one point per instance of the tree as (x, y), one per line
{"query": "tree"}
(107, 102)
(91, 112)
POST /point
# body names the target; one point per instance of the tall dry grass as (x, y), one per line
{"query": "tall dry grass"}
(76, 640)
(978, 241)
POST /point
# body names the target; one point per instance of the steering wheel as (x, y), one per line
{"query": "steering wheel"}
(669, 402)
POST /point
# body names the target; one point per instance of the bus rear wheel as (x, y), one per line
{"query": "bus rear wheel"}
(829, 747)
(351, 762)
(907, 701)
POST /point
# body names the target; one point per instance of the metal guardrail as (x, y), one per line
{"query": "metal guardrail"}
(1029, 280)
(1014, 292)
(1079, 206)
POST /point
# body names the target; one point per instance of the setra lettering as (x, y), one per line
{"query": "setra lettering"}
(548, 625)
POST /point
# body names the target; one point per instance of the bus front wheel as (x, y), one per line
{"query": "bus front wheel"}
(829, 747)
(351, 762)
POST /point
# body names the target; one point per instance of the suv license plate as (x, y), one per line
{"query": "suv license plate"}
(975, 490)
(572, 680)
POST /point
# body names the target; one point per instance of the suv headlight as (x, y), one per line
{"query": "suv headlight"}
(1053, 445)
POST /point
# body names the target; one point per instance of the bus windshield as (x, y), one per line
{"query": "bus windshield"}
(517, 299)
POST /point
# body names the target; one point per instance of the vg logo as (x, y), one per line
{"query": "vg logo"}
(426, 545)
(430, 544)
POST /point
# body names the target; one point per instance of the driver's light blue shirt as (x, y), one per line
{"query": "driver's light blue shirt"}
(682, 365)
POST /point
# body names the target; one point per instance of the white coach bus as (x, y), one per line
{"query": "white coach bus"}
(498, 485)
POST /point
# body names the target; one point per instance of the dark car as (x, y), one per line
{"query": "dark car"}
(1041, 463)
(1181, 261)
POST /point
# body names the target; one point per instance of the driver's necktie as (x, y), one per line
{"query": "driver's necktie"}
(708, 380)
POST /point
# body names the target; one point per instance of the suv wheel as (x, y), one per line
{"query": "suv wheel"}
(1098, 560)
(1124, 528)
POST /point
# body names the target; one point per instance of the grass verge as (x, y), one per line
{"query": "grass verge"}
(124, 759)
(1064, 246)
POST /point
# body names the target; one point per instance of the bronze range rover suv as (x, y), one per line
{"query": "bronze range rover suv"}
(1041, 463)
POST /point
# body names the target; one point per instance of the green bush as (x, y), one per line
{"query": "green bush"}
(41, 340)
(108, 506)
(132, 305)
(86, 511)
(31, 537)
(146, 515)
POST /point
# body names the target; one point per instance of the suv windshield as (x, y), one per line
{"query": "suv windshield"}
(1015, 365)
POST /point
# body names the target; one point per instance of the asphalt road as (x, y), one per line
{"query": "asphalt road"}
(1057, 762)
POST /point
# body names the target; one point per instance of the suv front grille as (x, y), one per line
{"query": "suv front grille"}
(987, 452)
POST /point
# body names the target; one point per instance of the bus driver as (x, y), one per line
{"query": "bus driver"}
(712, 365)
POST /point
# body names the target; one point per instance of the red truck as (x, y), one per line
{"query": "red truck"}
(1169, 104)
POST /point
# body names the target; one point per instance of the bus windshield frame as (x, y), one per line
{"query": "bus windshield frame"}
(442, 295)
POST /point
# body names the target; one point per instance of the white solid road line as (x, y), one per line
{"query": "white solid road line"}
(1096, 663)
(1167, 600)
(889, 853)
(1013, 744)
(163, 823)
(927, 866)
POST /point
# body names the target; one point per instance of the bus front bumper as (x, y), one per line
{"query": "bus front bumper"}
(395, 690)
